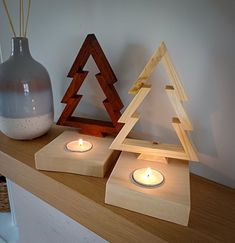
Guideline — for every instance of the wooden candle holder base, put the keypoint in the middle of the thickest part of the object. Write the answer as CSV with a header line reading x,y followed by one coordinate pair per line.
x,y
169,201
95,162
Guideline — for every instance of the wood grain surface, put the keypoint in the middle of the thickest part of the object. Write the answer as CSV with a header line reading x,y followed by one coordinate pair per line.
x,y
212,217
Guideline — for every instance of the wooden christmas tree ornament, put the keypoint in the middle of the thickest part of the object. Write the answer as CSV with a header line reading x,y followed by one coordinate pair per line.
x,y
106,79
140,184
149,150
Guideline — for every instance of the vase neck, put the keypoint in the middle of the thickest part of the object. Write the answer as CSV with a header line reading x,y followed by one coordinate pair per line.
x,y
20,47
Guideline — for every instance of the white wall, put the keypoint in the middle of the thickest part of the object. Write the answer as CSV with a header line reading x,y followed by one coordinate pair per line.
x,y
200,36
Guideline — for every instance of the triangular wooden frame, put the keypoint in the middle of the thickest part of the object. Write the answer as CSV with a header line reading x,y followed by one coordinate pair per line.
x,y
182,124
106,79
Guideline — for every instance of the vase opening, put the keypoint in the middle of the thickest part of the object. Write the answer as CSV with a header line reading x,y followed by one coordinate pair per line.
x,y
20,47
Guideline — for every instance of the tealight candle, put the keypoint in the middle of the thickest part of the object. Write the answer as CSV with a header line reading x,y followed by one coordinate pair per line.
x,y
147,177
79,146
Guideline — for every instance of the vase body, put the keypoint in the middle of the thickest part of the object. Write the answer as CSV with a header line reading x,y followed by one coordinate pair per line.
x,y
26,101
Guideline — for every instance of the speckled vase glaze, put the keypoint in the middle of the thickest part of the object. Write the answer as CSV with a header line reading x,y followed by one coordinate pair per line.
x,y
26,102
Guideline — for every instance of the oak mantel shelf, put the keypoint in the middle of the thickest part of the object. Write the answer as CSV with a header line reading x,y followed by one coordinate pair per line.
x,y
212,217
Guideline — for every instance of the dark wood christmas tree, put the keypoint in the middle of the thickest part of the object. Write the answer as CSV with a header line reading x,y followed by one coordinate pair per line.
x,y
106,79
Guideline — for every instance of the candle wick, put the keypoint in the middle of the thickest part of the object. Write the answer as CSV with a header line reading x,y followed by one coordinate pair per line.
x,y
80,142
148,172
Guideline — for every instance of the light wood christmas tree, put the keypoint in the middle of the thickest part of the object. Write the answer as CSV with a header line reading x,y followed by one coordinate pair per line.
x,y
149,150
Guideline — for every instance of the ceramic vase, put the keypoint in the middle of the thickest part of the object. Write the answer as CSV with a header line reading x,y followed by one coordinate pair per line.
x,y
26,101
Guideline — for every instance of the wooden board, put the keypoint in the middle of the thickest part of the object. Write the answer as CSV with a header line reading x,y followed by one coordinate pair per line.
x,y
95,162
148,147
148,69
160,54
174,77
169,201
82,198
153,157
178,107
185,139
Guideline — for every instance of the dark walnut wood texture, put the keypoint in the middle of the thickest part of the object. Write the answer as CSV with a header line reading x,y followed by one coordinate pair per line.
x,y
106,79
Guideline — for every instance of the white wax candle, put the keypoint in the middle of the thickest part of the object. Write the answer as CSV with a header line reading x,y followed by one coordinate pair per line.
x,y
147,177
79,146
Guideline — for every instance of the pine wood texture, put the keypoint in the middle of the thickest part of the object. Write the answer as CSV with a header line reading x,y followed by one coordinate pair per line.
x,y
185,140
169,201
149,150
153,157
149,147
212,216
178,107
106,79
148,69
95,162
174,77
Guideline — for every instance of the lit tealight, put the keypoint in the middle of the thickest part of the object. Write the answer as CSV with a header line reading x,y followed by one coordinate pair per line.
x,y
79,145
147,177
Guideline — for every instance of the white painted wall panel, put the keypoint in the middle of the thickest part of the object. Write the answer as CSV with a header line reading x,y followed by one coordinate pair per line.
x,y
38,222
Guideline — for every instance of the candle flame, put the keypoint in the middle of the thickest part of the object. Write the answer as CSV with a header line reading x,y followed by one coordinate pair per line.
x,y
80,142
148,172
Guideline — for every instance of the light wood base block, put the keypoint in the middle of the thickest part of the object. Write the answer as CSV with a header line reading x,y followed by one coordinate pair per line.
x,y
95,162
169,201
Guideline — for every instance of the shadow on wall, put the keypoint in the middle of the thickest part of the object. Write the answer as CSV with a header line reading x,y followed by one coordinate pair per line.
x,y
213,134
133,55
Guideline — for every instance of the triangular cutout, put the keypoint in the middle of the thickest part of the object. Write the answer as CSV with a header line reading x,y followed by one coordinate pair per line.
x,y
182,124
106,79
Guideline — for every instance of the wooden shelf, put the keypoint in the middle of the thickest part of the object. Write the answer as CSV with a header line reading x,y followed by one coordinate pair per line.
x,y
212,217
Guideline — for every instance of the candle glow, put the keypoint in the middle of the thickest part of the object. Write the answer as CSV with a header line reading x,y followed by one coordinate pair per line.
x,y
79,145
147,177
